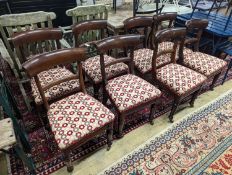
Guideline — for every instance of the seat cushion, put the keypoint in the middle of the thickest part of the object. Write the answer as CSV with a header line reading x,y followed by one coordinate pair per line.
x,y
75,117
179,79
143,57
204,63
93,69
56,91
143,60
129,91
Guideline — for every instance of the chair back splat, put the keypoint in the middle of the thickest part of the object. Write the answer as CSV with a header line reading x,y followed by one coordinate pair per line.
x,y
34,42
177,35
161,21
117,42
140,25
46,61
89,31
195,29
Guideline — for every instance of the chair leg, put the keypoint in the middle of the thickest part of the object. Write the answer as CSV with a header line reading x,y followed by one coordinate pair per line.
x,y
109,136
227,71
105,97
174,107
26,100
194,97
152,110
96,88
121,121
68,161
215,78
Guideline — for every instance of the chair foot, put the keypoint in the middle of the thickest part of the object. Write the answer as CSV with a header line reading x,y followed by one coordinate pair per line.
x,y
174,107
194,97
152,110
119,135
68,162
214,81
171,119
109,136
121,121
70,168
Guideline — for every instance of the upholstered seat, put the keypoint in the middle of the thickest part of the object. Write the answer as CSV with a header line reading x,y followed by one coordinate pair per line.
x,y
93,69
129,91
75,117
179,79
203,63
143,57
56,91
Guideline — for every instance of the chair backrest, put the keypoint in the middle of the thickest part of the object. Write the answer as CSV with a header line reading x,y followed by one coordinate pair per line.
x,y
89,31
83,13
127,42
48,60
161,21
140,25
165,18
195,29
13,23
35,42
177,35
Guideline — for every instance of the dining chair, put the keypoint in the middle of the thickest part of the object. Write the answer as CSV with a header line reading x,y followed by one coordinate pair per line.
x,y
128,93
83,13
180,81
75,119
208,65
14,23
150,25
29,44
90,32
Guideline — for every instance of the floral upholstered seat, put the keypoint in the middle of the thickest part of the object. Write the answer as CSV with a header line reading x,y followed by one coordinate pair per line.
x,y
203,63
143,57
129,91
179,79
75,117
56,91
93,69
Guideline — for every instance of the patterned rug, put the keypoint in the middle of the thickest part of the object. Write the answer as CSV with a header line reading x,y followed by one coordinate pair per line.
x,y
200,144
44,149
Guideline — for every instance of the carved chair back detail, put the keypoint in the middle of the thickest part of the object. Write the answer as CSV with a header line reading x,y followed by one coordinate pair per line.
x,y
140,25
49,60
14,23
127,42
177,35
89,31
35,42
195,29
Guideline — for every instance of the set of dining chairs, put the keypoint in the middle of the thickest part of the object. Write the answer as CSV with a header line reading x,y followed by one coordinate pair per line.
x,y
152,56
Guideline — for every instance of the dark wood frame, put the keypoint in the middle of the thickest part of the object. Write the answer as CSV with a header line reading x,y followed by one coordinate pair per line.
x,y
177,35
88,26
64,56
23,40
146,22
195,28
126,42
47,39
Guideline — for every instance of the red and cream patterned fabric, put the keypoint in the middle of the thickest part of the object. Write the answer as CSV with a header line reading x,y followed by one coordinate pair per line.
x,y
179,79
92,68
56,91
204,63
129,91
75,117
143,60
143,57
